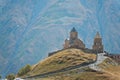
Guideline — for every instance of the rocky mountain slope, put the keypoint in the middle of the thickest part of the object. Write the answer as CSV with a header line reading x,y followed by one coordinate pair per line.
x,y
29,29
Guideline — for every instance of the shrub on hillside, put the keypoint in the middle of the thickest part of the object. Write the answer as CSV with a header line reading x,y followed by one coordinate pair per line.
x,y
10,77
24,70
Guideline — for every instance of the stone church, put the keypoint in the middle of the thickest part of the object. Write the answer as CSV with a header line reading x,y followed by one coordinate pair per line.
x,y
74,41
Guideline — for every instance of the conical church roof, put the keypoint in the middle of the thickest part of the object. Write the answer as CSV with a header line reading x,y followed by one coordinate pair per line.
x,y
97,35
73,30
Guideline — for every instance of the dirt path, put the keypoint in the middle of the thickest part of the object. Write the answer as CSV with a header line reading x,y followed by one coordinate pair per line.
x,y
100,59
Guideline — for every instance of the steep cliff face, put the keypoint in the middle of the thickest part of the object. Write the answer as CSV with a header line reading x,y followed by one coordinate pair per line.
x,y
29,29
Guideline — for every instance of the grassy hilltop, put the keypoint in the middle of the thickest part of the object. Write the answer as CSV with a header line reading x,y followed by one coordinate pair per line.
x,y
72,57
63,59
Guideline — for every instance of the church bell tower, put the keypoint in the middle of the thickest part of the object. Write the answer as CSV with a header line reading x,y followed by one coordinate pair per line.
x,y
98,46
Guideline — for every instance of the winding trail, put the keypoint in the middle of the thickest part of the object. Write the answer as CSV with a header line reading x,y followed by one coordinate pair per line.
x,y
100,59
